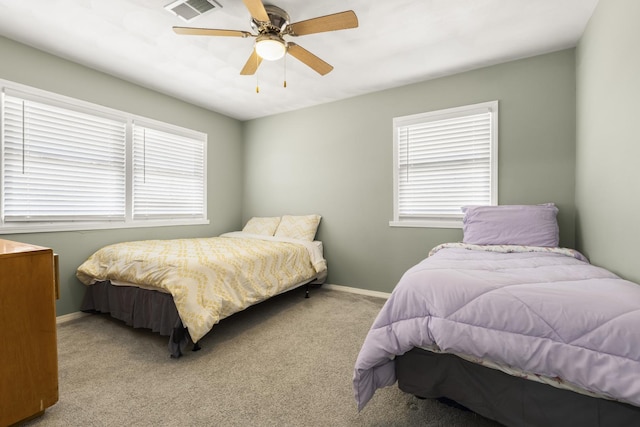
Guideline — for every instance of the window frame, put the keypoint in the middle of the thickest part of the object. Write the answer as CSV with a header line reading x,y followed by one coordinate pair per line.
x,y
89,108
443,221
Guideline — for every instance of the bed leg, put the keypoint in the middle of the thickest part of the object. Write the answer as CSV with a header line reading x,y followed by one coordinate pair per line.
x,y
306,290
196,346
177,340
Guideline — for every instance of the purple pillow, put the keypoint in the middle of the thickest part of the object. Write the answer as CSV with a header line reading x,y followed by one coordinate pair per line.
x,y
529,225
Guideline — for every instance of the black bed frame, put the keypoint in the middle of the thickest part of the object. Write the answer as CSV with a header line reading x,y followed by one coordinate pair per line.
x,y
510,400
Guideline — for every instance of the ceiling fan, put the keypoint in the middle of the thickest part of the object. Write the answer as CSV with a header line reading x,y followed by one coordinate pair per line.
x,y
272,25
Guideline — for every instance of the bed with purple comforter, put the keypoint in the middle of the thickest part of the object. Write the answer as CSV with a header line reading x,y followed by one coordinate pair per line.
x,y
540,313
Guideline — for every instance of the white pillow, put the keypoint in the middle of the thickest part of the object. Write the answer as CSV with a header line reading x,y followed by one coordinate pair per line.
x,y
262,225
301,227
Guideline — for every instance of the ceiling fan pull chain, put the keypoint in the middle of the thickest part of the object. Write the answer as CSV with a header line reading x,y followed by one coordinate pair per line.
x,y
285,70
257,80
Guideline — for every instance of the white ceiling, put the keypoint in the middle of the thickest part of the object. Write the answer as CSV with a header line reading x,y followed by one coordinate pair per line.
x,y
396,43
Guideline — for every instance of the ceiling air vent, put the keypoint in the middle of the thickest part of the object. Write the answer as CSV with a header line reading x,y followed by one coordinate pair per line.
x,y
190,9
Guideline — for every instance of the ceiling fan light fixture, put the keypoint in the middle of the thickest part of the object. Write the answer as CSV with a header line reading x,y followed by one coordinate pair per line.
x,y
270,47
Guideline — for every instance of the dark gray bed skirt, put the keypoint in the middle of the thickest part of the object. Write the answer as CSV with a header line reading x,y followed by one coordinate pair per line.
x,y
140,308
504,398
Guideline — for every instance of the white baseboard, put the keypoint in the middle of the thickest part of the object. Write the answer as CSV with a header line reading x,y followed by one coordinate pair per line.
x,y
69,317
360,291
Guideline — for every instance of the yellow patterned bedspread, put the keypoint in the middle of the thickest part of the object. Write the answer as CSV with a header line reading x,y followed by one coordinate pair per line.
x,y
209,278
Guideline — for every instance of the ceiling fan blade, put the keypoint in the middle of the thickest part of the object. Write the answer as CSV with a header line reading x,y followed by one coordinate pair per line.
x,y
337,21
256,9
210,32
309,59
252,64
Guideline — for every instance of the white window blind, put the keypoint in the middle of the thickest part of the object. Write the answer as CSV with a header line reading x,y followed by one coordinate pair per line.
x,y
66,164
445,160
168,174
60,163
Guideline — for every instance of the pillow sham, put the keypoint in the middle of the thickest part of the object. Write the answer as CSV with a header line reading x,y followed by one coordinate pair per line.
x,y
301,227
262,225
528,225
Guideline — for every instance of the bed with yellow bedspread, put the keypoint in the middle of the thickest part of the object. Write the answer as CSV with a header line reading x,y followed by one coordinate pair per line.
x,y
208,279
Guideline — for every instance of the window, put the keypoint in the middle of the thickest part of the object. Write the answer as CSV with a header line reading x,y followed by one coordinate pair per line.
x,y
168,174
70,165
444,160
58,163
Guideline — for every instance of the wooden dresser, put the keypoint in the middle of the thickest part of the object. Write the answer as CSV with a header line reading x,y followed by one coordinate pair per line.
x,y
28,345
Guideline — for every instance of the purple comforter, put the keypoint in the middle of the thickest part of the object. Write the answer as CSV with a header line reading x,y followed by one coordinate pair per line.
x,y
542,310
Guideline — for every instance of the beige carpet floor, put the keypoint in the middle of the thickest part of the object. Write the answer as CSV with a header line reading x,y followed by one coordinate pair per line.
x,y
285,362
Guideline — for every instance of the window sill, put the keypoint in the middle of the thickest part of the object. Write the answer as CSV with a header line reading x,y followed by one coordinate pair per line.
x,y
431,223
51,227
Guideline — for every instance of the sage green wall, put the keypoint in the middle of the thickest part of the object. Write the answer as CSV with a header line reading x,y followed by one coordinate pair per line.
x,y
608,139
336,160
35,68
